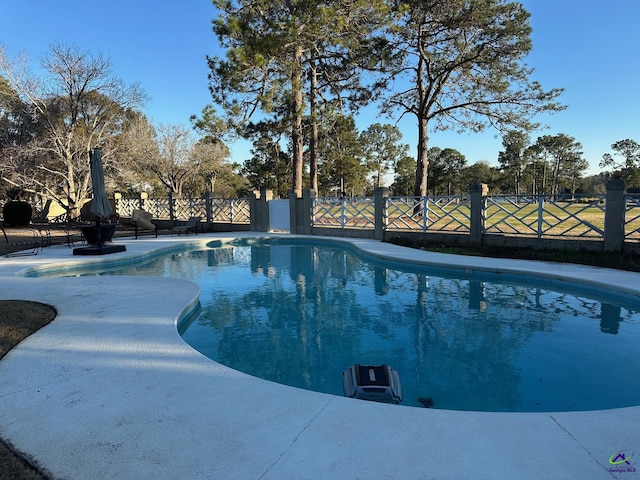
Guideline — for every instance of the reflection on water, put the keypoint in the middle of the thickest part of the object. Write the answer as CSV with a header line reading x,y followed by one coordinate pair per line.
x,y
300,314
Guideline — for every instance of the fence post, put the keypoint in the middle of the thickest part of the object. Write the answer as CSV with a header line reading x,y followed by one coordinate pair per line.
x,y
117,199
293,213
424,202
380,195
478,192
308,196
264,221
259,210
254,215
207,209
540,215
614,215
172,215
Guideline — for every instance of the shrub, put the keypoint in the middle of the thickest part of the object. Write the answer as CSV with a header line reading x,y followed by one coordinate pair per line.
x,y
17,212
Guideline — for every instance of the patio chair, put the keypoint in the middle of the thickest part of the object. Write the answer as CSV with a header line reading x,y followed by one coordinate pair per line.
x,y
30,246
190,225
73,235
142,223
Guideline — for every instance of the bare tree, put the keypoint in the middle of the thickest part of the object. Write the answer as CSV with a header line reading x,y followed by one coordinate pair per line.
x,y
211,157
134,149
79,104
172,163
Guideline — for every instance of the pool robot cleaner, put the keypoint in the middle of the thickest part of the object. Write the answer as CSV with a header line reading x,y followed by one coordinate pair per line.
x,y
378,383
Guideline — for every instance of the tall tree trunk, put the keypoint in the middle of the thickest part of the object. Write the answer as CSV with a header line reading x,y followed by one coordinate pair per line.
x,y
73,208
313,141
296,136
555,187
422,165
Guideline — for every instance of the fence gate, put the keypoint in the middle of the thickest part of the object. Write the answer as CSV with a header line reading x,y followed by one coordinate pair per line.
x,y
279,217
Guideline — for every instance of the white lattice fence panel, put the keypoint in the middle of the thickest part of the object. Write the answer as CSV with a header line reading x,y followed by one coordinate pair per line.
x,y
231,210
348,212
326,212
550,216
632,217
511,215
158,207
577,216
405,213
126,206
185,208
451,213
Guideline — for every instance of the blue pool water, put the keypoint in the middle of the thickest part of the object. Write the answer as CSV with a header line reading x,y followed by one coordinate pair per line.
x,y
300,314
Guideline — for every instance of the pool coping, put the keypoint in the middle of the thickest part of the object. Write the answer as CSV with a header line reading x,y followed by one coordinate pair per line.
x,y
110,390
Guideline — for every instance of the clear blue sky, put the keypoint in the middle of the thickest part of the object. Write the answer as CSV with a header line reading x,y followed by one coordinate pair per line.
x,y
589,48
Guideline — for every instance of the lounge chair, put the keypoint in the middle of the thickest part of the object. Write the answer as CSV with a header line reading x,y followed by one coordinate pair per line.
x,y
190,225
142,223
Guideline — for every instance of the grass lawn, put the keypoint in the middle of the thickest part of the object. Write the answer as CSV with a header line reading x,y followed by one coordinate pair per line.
x,y
18,320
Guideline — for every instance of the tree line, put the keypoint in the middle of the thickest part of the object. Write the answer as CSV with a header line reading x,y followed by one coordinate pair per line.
x,y
358,162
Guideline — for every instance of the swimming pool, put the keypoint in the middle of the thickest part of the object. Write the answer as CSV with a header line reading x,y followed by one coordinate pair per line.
x,y
299,313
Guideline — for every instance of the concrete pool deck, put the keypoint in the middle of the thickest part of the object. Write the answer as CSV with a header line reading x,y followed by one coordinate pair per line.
x,y
110,390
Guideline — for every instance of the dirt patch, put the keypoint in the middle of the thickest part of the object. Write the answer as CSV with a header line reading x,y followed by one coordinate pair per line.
x,y
18,320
